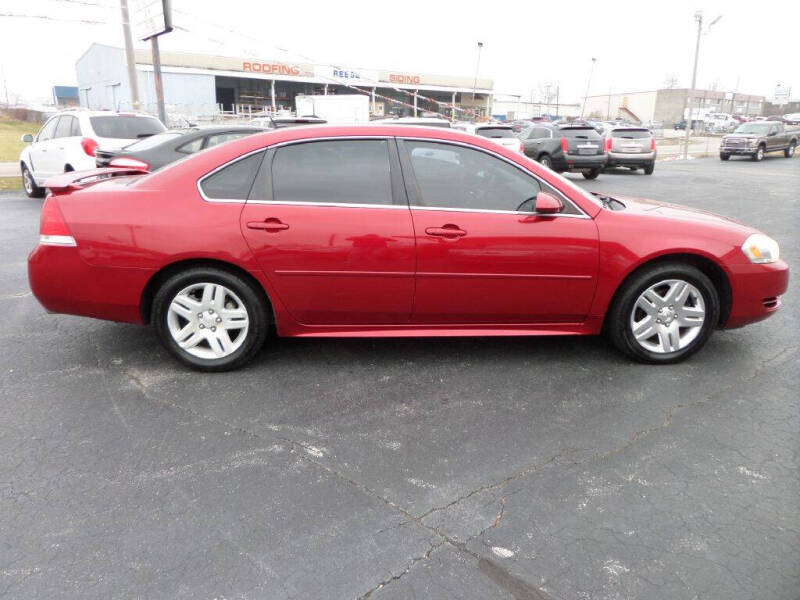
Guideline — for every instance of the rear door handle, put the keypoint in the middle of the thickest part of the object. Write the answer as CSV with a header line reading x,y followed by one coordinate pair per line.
x,y
447,231
271,225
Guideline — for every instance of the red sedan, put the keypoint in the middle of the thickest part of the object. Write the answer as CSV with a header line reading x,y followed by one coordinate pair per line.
x,y
389,231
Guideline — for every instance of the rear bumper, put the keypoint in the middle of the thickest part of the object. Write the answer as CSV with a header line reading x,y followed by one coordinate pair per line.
x,y
580,162
756,292
63,282
640,159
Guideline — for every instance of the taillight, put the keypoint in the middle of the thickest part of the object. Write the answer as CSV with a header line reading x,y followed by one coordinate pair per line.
x,y
89,146
131,163
564,145
652,143
607,145
522,148
53,230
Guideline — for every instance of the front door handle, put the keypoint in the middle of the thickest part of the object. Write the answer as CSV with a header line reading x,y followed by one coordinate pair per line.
x,y
271,225
447,231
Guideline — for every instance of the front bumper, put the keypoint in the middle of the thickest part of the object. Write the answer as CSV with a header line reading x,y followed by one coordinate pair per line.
x,y
756,291
63,282
738,150
639,159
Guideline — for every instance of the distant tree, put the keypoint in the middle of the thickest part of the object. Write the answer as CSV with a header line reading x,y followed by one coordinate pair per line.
x,y
670,81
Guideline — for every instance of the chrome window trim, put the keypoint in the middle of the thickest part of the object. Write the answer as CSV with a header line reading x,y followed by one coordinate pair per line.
x,y
219,168
331,204
582,214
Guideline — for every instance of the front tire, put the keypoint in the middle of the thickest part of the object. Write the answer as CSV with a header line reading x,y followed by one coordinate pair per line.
x,y
664,314
789,152
29,184
724,156
759,155
592,173
210,319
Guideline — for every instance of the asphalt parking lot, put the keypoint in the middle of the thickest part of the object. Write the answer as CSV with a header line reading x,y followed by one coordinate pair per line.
x,y
548,468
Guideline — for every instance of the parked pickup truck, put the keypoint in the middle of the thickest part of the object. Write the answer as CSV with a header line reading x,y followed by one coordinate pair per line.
x,y
756,138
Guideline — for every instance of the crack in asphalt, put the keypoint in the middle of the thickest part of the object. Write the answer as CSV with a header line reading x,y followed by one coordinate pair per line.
x,y
517,587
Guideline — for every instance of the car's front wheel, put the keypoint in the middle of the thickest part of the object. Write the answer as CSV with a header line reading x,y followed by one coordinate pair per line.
x,y
29,184
210,319
724,156
789,152
664,314
759,155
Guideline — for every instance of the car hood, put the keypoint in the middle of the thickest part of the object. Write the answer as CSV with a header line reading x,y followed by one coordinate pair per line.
x,y
714,225
743,135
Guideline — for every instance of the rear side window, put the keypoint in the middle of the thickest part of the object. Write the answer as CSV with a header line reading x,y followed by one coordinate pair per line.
x,y
495,132
631,134
64,128
234,181
115,126
76,128
153,140
342,172
221,138
191,147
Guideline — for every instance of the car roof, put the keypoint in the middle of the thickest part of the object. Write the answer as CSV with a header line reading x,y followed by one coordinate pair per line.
x,y
101,113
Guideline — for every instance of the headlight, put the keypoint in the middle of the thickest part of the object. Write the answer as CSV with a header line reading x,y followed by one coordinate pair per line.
x,y
761,249
751,142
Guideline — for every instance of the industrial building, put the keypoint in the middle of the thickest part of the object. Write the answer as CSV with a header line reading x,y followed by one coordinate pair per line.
x,y
669,105
207,85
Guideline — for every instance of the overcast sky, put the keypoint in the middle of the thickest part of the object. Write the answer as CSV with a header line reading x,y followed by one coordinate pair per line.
x,y
638,45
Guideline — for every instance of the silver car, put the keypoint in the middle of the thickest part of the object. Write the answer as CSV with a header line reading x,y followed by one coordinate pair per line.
x,y
633,147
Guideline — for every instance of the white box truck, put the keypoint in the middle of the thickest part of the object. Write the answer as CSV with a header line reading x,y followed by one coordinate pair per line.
x,y
335,108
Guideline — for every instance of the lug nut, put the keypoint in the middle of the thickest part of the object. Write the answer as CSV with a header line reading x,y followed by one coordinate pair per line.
x,y
202,326
199,315
219,319
211,311
213,328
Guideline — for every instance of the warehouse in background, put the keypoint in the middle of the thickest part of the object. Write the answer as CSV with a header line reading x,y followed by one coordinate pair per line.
x,y
669,105
206,85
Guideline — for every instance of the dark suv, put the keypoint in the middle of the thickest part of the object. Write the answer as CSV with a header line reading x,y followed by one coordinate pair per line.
x,y
565,147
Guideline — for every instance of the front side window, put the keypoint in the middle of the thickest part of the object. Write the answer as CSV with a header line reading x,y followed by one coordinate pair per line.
x,y
341,172
451,176
233,182
47,132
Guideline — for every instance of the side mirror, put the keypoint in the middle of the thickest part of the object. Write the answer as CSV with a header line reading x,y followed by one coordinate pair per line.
x,y
547,204
27,138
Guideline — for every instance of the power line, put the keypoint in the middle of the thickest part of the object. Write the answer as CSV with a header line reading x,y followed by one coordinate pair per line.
x,y
58,19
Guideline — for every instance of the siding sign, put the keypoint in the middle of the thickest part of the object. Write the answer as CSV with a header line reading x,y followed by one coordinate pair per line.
x,y
151,18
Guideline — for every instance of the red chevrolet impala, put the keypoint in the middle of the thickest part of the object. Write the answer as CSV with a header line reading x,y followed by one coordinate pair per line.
x,y
389,231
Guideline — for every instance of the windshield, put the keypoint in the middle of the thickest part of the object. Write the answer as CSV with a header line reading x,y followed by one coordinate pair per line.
x,y
495,132
753,128
153,140
123,127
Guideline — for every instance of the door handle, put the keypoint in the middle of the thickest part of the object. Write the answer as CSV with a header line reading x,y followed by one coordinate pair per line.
x,y
271,225
447,231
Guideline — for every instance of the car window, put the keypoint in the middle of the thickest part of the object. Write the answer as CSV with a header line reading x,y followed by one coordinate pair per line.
x,y
125,127
346,172
233,182
153,141
495,132
451,176
540,132
191,147
46,133
64,127
76,127
221,138
631,134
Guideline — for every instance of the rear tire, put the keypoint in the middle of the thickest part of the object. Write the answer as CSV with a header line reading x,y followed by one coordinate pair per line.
x,y
592,173
208,309
669,314
789,152
546,161
648,169
759,155
29,184
724,156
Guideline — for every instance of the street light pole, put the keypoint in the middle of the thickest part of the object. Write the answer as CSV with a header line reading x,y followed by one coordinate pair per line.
x,y
129,56
588,85
698,16
475,81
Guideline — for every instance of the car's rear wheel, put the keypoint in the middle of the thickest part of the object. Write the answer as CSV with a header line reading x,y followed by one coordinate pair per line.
x,y
724,156
664,313
210,319
789,152
591,173
546,161
29,184
759,155
648,169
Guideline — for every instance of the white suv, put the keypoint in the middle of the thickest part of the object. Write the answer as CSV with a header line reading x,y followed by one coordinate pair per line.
x,y
68,140
500,133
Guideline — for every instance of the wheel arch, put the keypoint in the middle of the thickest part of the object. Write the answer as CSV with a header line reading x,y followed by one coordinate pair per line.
x,y
704,264
160,276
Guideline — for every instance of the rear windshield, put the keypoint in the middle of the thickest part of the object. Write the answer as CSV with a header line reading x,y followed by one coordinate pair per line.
x,y
126,127
154,140
580,133
631,134
495,132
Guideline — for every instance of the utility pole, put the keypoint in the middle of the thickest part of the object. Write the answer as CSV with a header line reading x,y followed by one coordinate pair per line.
x,y
698,16
126,30
477,66
162,111
588,84
608,111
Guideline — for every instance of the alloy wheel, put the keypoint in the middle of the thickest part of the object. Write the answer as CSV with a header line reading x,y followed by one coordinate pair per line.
x,y
27,181
668,316
208,320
